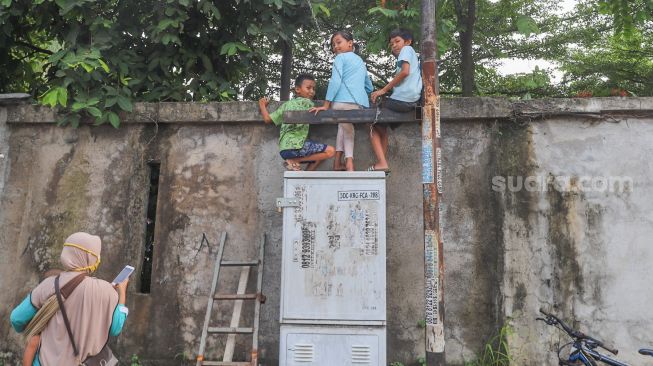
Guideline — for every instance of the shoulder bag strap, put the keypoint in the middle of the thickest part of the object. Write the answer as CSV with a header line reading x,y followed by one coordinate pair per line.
x,y
65,317
70,286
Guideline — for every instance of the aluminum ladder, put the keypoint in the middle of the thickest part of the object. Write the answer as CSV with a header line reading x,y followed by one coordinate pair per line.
x,y
238,299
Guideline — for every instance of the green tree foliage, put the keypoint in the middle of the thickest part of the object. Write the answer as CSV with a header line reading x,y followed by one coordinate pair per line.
x,y
508,29
602,57
511,30
93,59
501,29
601,47
628,15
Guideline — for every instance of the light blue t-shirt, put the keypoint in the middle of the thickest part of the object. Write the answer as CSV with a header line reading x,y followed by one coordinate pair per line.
x,y
410,89
349,82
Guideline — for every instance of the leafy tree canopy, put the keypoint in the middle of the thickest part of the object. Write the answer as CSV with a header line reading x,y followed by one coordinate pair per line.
x,y
605,51
93,59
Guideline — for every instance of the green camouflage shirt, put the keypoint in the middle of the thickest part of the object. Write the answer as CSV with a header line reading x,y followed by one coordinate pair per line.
x,y
291,136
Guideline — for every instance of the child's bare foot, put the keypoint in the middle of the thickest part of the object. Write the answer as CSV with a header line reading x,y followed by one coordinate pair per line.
x,y
292,165
337,162
337,165
349,164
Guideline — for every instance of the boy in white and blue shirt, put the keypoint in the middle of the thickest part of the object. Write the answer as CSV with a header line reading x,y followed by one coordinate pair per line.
x,y
406,89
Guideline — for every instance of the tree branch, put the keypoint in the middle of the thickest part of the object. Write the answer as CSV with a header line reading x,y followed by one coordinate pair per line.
x,y
32,47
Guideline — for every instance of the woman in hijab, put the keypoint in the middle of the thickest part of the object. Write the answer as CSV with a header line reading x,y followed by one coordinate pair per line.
x,y
95,309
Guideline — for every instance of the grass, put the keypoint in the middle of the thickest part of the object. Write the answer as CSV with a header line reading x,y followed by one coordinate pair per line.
x,y
496,351
135,361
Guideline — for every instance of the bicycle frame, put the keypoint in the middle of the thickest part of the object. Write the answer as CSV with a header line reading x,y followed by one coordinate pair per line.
x,y
588,356
583,346
605,359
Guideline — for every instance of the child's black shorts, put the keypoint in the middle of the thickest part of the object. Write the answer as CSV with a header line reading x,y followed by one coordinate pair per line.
x,y
397,106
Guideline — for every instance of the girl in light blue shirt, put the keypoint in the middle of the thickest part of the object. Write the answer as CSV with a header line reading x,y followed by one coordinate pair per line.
x,y
348,89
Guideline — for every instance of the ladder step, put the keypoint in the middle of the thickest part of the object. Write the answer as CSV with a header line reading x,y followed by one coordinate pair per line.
x,y
235,297
231,330
240,295
238,263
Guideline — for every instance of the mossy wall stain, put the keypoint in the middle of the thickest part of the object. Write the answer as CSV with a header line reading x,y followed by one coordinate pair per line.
x,y
59,169
520,297
515,157
474,208
125,182
66,212
594,239
513,209
563,232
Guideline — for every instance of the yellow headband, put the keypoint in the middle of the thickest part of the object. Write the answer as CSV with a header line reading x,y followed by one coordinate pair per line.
x,y
90,268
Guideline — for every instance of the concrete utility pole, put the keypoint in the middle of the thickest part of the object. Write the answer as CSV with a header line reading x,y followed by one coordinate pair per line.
x,y
432,185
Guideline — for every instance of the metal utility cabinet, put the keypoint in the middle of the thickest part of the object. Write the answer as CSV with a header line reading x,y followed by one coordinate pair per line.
x,y
333,282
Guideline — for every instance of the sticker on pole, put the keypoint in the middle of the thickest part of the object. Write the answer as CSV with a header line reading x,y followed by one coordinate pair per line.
x,y
427,161
431,280
438,167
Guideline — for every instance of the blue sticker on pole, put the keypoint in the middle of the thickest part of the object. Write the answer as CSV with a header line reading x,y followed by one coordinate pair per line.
x,y
427,161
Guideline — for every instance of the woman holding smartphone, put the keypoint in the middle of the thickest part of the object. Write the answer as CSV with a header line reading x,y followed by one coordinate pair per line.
x,y
94,309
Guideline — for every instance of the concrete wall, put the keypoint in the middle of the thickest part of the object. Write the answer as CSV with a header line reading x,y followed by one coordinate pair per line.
x,y
585,251
4,148
580,252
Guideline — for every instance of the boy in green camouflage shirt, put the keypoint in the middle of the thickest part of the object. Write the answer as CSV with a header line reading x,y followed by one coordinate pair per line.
x,y
294,146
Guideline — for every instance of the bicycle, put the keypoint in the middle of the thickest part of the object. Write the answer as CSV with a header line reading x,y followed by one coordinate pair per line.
x,y
583,347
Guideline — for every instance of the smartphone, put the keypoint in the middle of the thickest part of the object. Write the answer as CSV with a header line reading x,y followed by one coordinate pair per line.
x,y
123,275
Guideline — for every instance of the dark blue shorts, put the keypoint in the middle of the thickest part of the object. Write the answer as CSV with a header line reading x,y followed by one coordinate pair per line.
x,y
397,106
309,148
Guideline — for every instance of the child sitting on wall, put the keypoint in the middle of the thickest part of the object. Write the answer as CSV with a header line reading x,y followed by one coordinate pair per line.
x,y
348,89
406,89
294,146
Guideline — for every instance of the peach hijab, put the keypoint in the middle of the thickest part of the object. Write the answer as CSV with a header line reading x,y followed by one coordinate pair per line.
x,y
89,308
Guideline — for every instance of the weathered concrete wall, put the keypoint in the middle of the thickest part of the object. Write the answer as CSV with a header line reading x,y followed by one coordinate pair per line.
x,y
585,251
583,254
4,148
